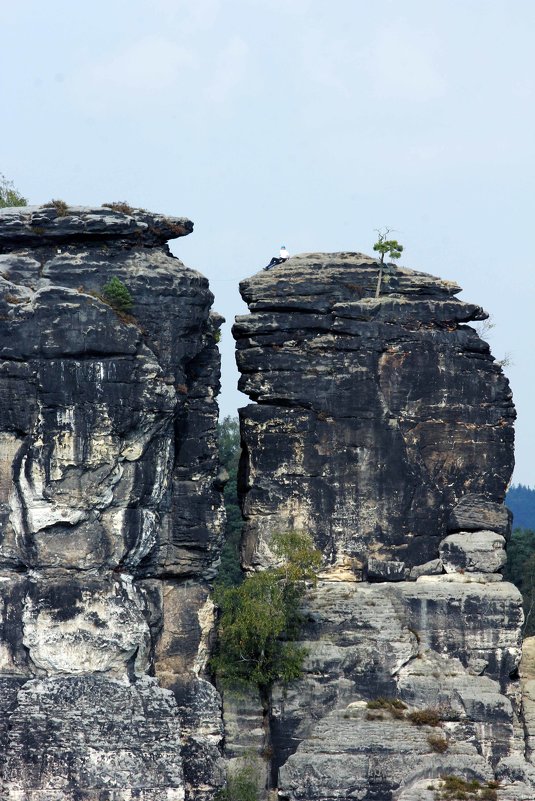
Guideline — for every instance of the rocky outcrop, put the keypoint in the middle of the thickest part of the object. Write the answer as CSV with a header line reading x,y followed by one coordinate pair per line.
x,y
393,411
384,427
110,510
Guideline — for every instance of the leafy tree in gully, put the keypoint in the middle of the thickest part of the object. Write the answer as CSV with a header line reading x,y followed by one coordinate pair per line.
x,y
386,247
260,619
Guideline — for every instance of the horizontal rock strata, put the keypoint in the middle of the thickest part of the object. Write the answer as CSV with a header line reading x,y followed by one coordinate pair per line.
x,y
110,509
393,410
384,427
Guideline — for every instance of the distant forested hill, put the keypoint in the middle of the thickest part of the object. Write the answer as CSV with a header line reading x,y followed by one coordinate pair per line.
x,y
520,567
521,501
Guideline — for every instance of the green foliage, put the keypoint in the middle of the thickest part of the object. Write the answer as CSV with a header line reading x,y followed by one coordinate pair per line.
x,y
117,295
9,195
242,785
454,788
386,247
260,619
230,572
520,570
395,706
390,247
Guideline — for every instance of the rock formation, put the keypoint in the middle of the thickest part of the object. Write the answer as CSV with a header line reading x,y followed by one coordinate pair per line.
x,y
384,428
110,510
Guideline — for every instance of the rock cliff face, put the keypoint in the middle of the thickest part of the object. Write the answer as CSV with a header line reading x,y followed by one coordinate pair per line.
x,y
110,510
384,428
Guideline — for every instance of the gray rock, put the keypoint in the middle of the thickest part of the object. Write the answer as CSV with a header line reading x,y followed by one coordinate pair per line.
x,y
381,758
475,551
475,512
386,570
37,225
111,512
420,642
91,735
432,568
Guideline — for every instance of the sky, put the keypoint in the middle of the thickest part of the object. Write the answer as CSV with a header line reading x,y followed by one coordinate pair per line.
x,y
295,122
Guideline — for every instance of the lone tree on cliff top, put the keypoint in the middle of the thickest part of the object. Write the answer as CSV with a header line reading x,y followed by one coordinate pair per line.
x,y
384,246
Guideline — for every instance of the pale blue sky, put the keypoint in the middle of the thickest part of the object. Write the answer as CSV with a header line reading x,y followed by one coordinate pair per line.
x,y
298,122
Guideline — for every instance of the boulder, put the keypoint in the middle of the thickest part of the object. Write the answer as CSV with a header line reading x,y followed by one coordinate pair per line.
x,y
473,551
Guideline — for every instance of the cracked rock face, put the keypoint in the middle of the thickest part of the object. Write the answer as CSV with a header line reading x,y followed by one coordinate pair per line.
x,y
109,506
384,428
393,410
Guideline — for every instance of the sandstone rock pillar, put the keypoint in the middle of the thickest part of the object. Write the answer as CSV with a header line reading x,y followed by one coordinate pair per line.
x,y
384,427
110,510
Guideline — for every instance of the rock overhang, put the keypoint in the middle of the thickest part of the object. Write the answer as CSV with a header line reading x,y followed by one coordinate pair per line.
x,y
51,224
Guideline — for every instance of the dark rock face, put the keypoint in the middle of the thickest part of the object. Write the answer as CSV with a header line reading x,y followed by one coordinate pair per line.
x,y
110,510
392,409
385,429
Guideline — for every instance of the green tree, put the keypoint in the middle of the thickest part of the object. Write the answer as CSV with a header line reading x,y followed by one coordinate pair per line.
x,y
386,247
230,572
9,196
117,295
260,619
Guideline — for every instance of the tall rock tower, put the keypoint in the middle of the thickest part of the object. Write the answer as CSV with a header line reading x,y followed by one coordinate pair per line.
x,y
110,510
384,428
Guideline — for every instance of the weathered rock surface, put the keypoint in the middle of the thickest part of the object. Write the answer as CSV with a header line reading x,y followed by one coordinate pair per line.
x,y
110,510
384,428
475,551
392,410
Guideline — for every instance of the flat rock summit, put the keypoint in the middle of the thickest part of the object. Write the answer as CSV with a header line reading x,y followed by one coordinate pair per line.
x,y
382,426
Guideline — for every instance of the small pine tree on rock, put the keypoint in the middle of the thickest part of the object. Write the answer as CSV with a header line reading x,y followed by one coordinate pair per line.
x,y
118,295
384,246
